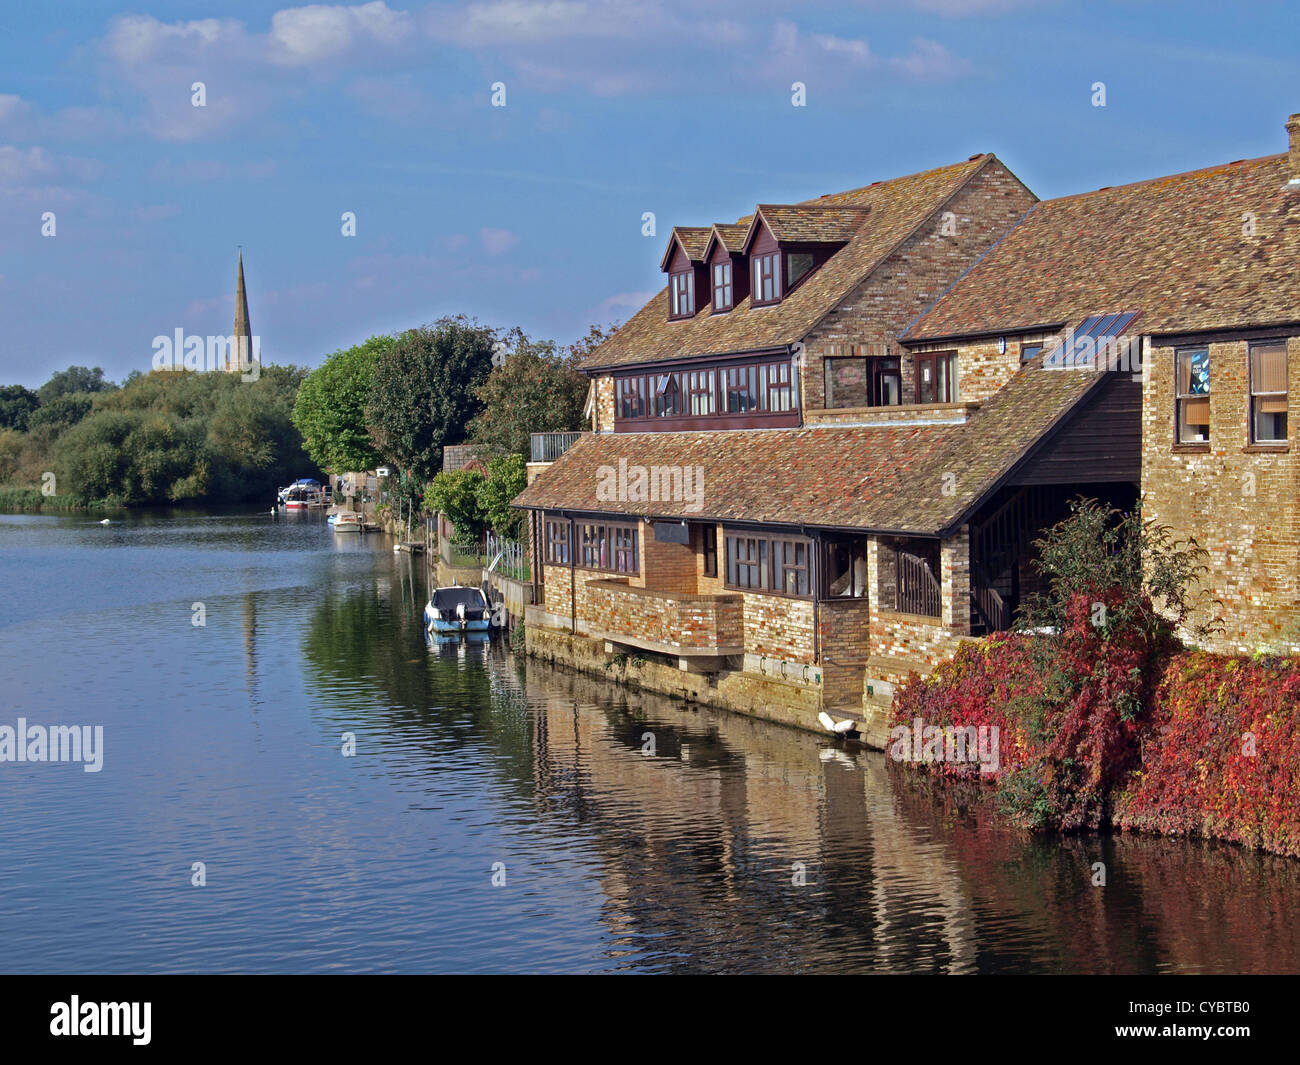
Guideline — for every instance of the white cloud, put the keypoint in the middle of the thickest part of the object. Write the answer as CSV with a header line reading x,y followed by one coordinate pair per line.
x,y
190,170
497,241
20,166
304,35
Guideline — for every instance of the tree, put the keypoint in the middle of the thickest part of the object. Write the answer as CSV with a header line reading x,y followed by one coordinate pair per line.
x,y
62,411
455,495
423,392
330,411
74,379
537,389
507,476
16,406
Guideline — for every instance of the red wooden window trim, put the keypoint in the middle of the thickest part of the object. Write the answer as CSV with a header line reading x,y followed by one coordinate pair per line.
x,y
723,289
767,279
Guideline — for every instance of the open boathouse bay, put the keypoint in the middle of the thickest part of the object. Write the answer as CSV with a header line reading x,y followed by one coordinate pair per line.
x,y
736,846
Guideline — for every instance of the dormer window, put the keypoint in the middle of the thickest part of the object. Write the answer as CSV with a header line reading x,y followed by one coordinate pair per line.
x,y
797,264
682,288
767,278
722,289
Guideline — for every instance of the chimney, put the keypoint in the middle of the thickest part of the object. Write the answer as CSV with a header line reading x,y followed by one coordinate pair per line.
x,y
1293,153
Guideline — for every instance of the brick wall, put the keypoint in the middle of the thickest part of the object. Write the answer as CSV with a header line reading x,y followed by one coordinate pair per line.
x,y
915,275
779,627
604,404
668,621
1242,506
844,628
666,566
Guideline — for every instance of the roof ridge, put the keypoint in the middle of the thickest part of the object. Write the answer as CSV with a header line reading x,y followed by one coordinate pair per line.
x,y
979,158
1165,177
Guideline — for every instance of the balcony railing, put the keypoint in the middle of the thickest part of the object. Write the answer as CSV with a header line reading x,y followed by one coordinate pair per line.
x,y
547,447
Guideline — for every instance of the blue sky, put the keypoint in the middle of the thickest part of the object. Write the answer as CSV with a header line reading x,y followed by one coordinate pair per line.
x,y
530,214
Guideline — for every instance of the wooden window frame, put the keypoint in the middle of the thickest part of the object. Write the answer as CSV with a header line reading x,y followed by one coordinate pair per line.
x,y
558,545
1181,397
766,553
1255,395
664,383
876,373
632,387
787,267
767,268
940,360
726,287
1037,345
701,383
681,291
589,537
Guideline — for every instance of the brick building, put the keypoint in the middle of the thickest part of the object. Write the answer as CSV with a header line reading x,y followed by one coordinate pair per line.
x,y
821,454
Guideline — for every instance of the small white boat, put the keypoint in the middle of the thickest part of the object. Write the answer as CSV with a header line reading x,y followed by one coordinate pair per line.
x,y
346,521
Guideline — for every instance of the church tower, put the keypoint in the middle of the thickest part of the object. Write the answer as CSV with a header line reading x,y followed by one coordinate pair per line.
x,y
241,342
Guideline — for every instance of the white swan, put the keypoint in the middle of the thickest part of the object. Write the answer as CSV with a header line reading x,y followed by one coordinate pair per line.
x,y
831,725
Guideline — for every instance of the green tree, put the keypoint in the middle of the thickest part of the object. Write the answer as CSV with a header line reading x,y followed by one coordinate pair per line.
x,y
74,379
423,392
16,406
455,494
537,389
330,411
507,476
62,411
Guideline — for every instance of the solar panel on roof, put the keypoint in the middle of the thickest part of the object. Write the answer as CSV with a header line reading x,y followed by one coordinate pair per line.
x,y
1099,342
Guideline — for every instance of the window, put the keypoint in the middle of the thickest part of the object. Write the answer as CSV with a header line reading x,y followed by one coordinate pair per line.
x,y
907,576
766,278
699,391
1268,388
886,382
790,558
741,388
557,542
1192,395
936,377
796,265
777,387
722,286
709,547
1030,351
746,562
608,547
682,286
779,565
769,387
846,568
668,394
631,397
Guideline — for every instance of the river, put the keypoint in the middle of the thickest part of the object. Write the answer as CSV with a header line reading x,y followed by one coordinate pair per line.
x,y
497,815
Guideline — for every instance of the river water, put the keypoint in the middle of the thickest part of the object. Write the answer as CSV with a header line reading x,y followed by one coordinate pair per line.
x,y
497,814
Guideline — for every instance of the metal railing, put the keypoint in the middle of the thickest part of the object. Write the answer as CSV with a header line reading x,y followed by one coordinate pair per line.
x,y
547,447
508,558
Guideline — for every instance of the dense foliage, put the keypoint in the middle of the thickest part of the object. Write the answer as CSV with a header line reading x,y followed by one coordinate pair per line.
x,y
330,411
455,495
422,395
536,389
1071,691
1220,753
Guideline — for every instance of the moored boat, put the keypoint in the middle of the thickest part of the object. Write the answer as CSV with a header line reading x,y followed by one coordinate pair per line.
x,y
302,494
457,609
346,521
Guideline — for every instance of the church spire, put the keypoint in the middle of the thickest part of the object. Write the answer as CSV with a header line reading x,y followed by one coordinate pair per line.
x,y
241,345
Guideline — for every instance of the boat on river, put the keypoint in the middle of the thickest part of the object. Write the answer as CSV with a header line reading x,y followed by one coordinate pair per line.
x,y
302,495
346,521
457,609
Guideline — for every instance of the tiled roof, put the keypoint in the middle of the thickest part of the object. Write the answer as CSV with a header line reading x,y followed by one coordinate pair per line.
x,y
1173,247
693,240
731,236
897,208
813,224
886,479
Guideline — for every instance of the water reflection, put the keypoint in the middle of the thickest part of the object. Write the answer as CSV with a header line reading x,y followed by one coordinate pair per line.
x,y
735,846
